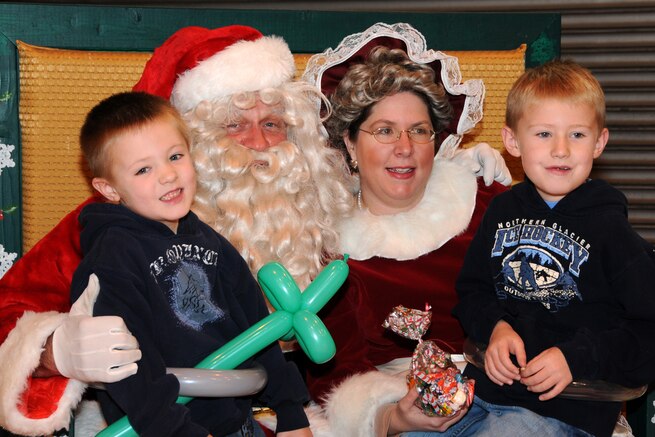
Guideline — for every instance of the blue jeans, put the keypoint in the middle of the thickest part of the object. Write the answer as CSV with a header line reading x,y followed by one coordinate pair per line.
x,y
250,428
488,420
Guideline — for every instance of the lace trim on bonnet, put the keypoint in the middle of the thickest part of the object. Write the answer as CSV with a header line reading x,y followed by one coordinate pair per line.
x,y
451,77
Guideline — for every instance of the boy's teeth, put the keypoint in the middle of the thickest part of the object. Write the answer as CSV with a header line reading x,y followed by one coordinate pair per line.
x,y
171,195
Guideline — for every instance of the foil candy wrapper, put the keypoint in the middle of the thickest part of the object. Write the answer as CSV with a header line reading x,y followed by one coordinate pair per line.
x,y
443,391
409,323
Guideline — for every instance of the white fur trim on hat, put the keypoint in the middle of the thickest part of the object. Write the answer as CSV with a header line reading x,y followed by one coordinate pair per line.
x,y
451,76
244,66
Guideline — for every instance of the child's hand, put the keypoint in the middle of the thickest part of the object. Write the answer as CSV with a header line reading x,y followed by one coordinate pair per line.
x,y
498,365
302,432
547,373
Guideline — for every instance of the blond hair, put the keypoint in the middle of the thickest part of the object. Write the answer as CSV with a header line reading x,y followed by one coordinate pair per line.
x,y
562,80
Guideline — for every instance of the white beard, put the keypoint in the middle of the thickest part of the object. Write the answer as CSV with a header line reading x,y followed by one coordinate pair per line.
x,y
265,203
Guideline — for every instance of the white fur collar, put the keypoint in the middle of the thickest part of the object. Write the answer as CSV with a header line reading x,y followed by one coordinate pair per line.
x,y
444,212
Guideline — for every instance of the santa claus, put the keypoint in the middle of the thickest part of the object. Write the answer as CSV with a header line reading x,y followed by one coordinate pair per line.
x,y
267,181
261,159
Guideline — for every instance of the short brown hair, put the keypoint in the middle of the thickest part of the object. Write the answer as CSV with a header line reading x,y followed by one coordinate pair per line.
x,y
117,114
565,80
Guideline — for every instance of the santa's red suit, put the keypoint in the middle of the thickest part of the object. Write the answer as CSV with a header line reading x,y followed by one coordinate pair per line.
x,y
27,319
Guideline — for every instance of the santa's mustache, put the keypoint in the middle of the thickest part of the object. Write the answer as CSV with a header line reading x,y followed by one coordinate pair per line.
x,y
264,165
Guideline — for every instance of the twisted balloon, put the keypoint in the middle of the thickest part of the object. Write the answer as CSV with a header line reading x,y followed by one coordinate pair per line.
x,y
295,316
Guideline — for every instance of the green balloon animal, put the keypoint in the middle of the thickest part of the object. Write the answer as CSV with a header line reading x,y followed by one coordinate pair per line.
x,y
295,316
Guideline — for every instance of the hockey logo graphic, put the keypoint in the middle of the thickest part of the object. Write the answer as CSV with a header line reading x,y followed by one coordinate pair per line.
x,y
539,263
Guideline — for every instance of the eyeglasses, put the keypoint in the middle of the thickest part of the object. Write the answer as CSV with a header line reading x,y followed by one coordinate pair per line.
x,y
388,135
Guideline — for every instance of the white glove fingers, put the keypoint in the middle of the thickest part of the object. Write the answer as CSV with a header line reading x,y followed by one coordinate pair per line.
x,y
503,176
123,341
117,373
108,366
109,340
95,349
488,174
106,342
125,357
102,325
493,165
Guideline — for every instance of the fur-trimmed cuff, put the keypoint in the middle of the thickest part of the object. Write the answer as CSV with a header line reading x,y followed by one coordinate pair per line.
x,y
89,419
351,407
317,421
20,355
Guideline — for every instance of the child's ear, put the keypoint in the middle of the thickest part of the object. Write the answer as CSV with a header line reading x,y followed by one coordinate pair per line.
x,y
105,188
510,141
601,142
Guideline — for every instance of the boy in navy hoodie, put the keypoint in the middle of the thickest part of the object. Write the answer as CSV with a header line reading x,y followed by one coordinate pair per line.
x,y
182,289
556,282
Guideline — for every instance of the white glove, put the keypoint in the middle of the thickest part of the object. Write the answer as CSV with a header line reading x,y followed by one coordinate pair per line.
x,y
94,349
483,160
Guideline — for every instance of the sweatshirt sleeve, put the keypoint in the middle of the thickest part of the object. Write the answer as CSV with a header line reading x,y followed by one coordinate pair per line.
x,y
478,310
147,397
285,392
624,353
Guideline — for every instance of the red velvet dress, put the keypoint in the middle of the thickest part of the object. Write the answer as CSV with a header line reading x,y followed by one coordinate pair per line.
x,y
378,281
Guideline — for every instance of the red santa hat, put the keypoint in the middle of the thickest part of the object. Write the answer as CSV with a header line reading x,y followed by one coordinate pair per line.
x,y
196,64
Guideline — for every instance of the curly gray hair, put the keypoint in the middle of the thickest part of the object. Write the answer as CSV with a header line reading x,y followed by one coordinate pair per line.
x,y
386,72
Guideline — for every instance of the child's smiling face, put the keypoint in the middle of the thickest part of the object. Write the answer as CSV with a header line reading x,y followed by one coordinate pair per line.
x,y
557,142
151,172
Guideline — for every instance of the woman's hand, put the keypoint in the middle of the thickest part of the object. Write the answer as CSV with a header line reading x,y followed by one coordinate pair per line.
x,y
405,416
498,364
302,432
547,373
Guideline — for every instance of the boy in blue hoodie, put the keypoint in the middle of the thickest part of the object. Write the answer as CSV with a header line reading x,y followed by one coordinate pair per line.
x,y
556,281
182,289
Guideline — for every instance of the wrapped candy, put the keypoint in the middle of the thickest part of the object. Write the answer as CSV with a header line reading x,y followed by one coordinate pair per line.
x,y
409,323
442,389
